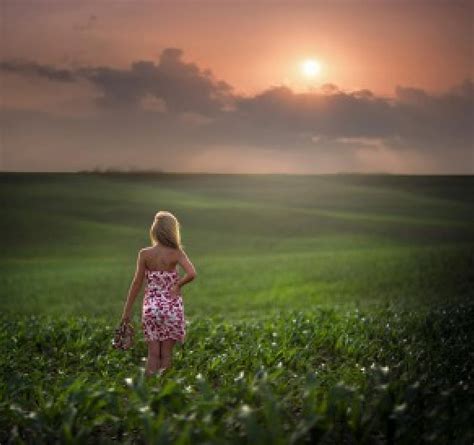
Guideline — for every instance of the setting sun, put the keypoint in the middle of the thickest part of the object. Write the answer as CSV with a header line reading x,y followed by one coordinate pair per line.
x,y
310,67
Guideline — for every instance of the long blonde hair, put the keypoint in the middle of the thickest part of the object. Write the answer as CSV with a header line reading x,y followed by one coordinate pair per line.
x,y
165,230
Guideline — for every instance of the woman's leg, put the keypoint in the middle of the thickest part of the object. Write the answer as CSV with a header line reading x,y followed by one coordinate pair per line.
x,y
166,353
153,362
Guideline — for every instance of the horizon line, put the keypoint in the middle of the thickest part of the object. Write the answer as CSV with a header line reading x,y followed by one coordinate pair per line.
x,y
162,172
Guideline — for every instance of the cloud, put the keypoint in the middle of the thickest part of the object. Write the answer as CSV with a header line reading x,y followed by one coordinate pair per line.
x,y
333,114
182,86
436,121
29,68
183,108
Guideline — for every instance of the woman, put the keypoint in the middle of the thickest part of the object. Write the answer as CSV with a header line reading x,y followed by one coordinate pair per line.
x,y
163,321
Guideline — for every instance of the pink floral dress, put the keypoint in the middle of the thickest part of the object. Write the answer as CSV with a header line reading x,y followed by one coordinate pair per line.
x,y
162,314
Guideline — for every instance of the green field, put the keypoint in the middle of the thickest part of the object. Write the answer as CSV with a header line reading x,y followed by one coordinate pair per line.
x,y
309,288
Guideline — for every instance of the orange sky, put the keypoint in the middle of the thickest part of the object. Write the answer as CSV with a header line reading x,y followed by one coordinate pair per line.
x,y
83,85
253,44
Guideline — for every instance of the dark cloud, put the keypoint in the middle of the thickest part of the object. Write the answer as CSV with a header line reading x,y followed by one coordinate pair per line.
x,y
434,125
182,86
330,114
189,107
29,68
436,121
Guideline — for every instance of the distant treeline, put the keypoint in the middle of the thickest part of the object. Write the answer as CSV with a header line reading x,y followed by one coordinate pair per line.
x,y
114,170
136,170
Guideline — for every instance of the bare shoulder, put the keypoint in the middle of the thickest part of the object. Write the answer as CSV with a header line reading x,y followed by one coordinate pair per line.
x,y
178,253
183,258
181,253
144,252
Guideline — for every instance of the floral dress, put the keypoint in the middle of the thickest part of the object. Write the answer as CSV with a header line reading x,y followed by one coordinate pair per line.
x,y
162,314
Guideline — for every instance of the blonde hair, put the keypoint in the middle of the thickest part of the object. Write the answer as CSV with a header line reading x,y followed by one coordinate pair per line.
x,y
165,230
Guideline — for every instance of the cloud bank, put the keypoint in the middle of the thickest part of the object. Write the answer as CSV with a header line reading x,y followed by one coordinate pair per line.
x,y
172,115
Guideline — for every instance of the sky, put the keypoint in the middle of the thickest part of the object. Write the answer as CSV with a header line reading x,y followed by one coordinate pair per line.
x,y
219,86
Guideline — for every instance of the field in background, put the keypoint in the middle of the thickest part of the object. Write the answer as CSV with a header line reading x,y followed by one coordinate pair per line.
x,y
69,241
327,309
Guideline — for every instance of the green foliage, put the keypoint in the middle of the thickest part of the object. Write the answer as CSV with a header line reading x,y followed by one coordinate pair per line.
x,y
327,309
69,241
384,376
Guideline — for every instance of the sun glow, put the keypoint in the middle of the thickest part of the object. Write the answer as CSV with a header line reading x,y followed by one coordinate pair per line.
x,y
310,67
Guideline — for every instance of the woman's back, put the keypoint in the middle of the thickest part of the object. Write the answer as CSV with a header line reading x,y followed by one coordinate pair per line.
x,y
161,258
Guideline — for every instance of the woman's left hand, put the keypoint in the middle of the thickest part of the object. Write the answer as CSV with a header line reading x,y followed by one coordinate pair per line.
x,y
174,291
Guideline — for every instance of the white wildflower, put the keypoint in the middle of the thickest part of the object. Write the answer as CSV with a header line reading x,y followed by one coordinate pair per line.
x,y
129,381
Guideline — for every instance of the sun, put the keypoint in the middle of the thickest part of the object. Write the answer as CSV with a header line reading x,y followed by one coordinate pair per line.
x,y
310,67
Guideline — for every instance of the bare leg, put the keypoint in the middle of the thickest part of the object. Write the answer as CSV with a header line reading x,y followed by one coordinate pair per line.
x,y
153,362
166,353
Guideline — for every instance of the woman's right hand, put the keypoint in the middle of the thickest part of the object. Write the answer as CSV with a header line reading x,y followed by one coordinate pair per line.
x,y
175,291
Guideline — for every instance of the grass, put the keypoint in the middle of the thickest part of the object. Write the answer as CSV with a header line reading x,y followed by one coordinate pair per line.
x,y
339,304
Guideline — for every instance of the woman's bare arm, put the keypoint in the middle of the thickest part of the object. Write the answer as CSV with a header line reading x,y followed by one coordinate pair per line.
x,y
135,286
188,267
